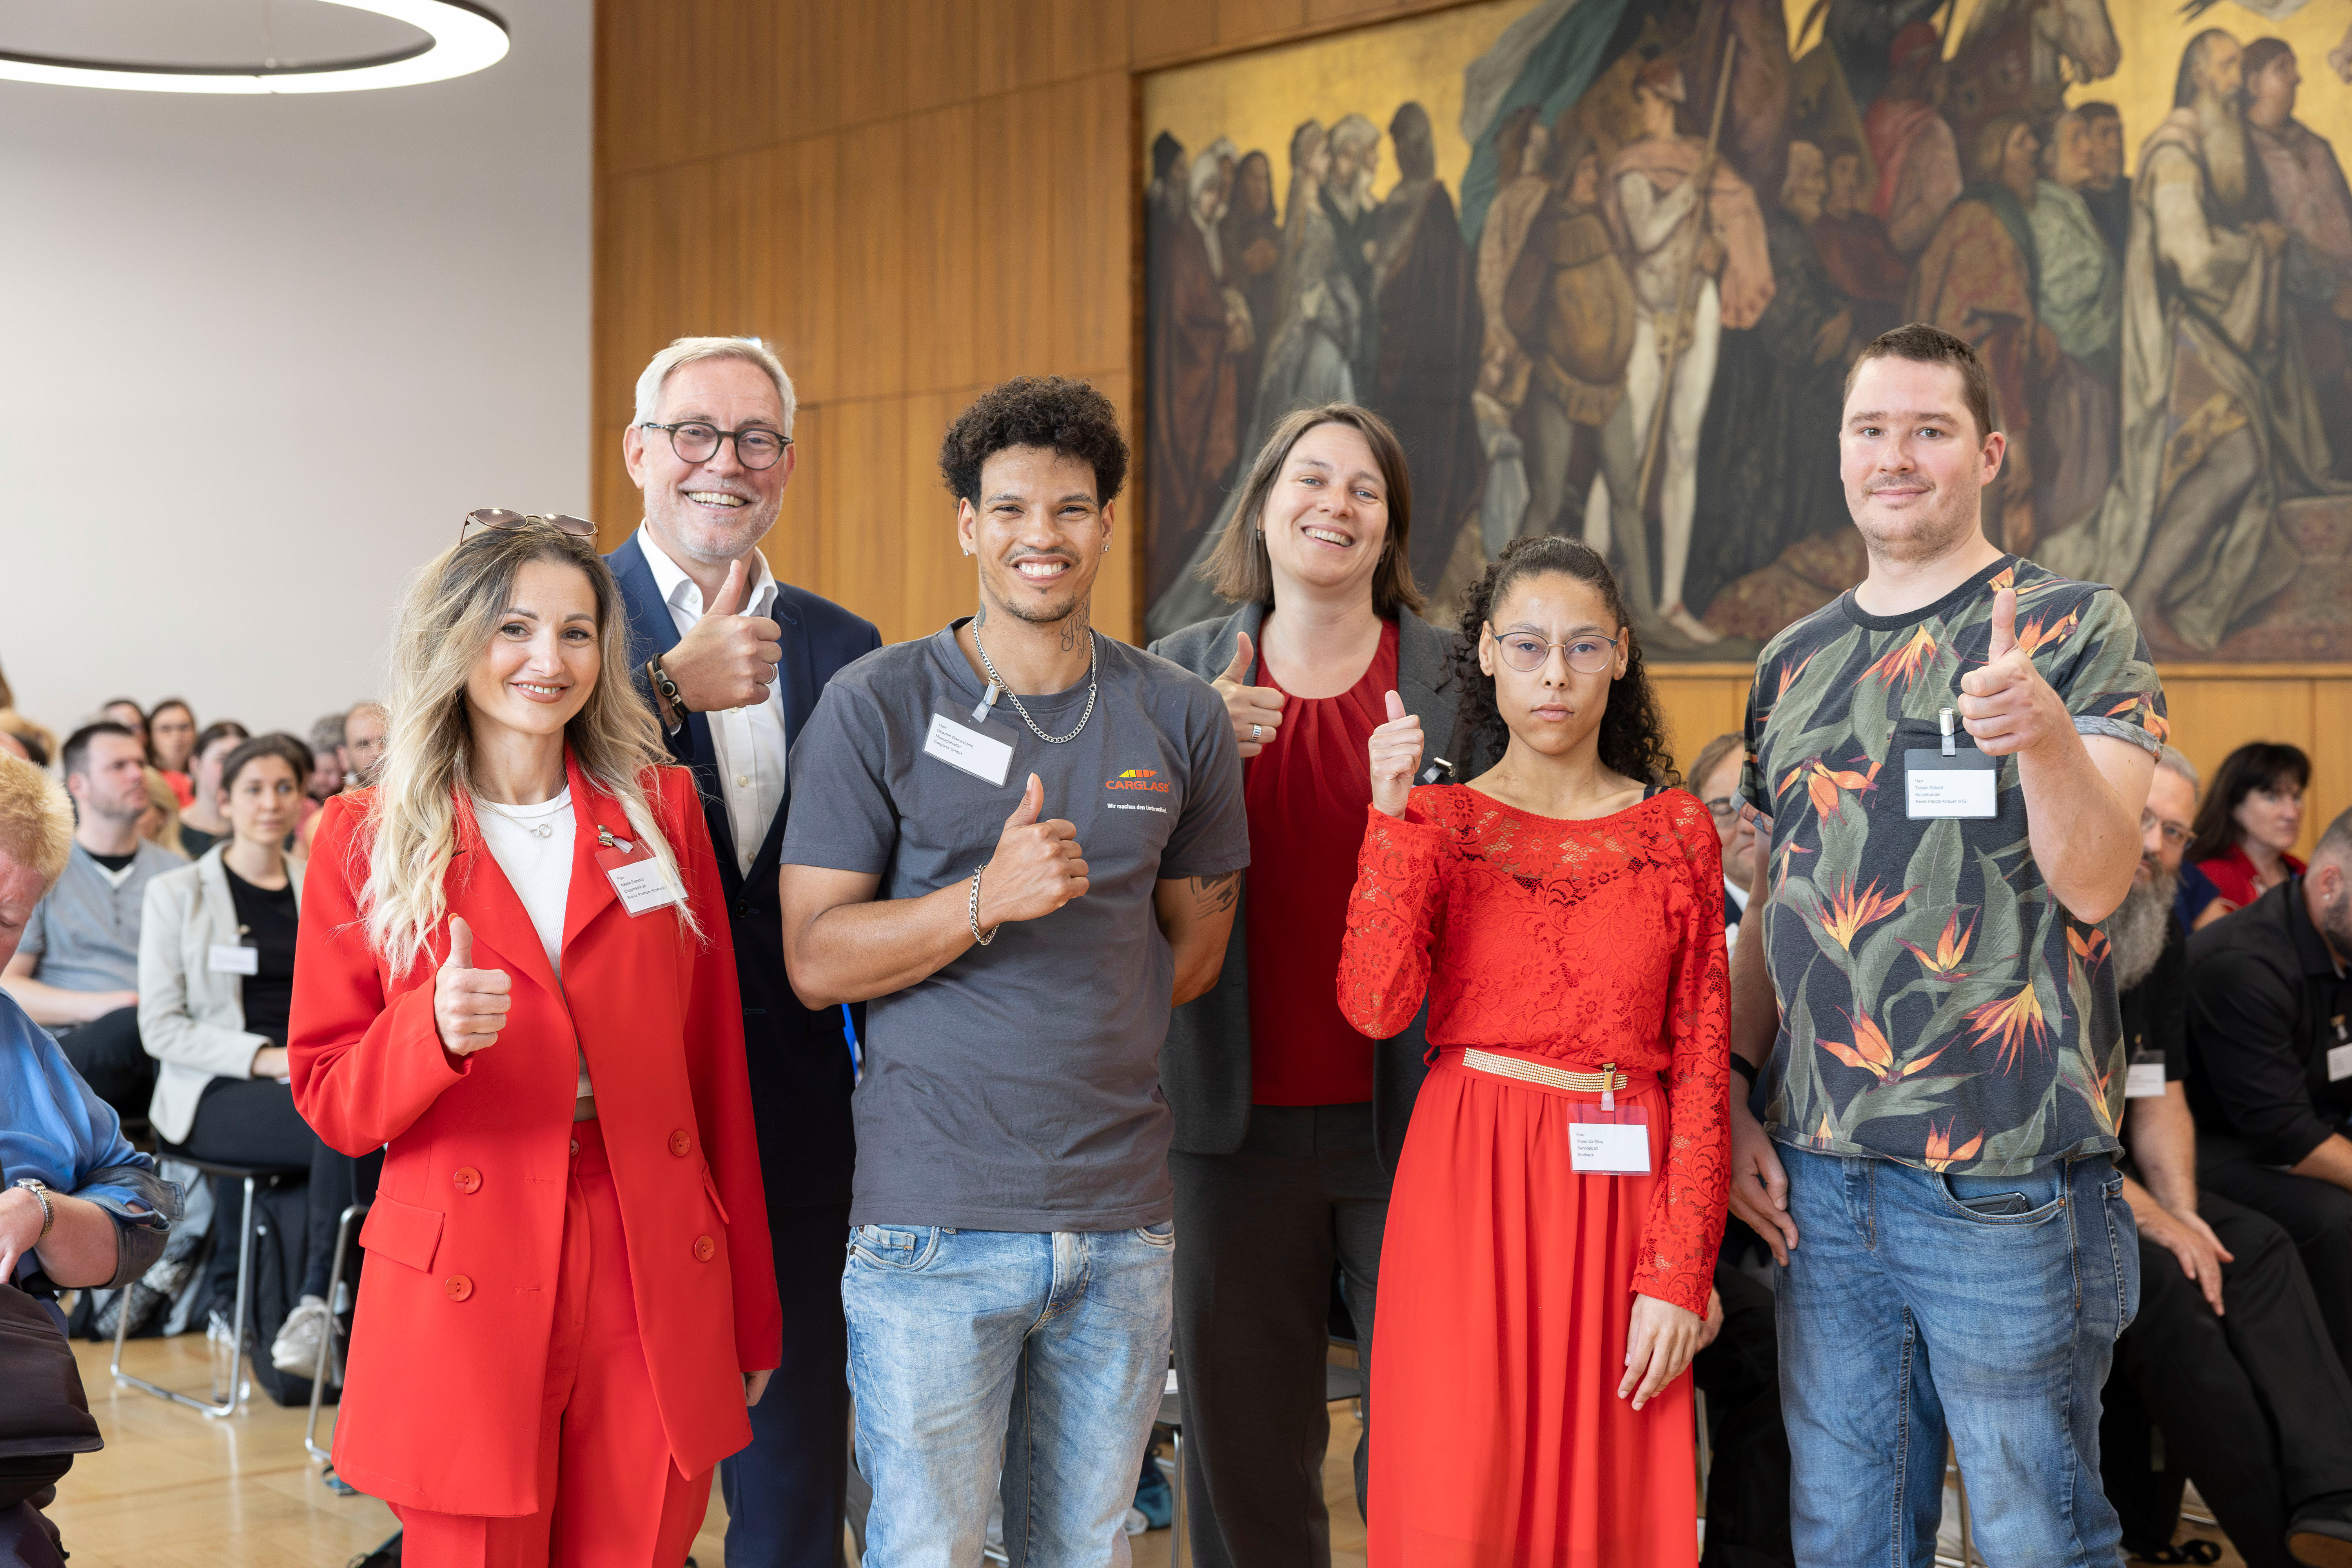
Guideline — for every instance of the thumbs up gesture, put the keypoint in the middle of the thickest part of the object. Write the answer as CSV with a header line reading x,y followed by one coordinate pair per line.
x,y
1396,757
727,660
2006,706
470,1004
1255,711
1037,866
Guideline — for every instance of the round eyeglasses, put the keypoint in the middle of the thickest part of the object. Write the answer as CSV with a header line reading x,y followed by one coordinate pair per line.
x,y
696,442
499,516
1589,653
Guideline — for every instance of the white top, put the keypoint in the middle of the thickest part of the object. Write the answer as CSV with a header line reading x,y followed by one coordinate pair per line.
x,y
1735,909
532,844
751,741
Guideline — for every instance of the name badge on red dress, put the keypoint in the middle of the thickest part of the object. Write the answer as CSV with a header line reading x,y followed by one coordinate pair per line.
x,y
1609,1141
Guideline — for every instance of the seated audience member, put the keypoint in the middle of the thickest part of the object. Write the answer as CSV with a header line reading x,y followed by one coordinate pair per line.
x,y
366,727
76,970
2250,821
160,823
201,824
1714,779
131,716
2266,1000
2229,1359
81,1207
327,758
33,742
170,742
2198,904
215,1019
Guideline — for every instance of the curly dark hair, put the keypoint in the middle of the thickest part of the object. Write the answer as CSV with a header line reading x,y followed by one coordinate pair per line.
x,y
1632,732
1069,416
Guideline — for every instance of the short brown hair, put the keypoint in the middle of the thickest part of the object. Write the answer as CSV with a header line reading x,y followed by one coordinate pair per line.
x,y
1238,568
36,819
1711,755
1923,344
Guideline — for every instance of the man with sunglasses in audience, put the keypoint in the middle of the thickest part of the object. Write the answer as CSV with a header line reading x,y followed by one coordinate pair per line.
x,y
733,661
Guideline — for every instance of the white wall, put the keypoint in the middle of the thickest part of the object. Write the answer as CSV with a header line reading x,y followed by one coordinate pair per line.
x,y
258,357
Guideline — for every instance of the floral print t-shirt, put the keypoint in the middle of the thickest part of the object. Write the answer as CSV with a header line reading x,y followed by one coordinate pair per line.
x,y
1938,1005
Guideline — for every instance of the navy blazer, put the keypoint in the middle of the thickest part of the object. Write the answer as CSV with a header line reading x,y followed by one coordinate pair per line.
x,y
798,1059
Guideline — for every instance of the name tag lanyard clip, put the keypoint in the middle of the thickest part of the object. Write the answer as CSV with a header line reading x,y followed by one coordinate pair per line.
x,y
980,710
1943,722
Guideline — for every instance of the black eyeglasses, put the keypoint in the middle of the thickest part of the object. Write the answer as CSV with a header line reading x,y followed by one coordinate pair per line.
x,y
499,516
1589,654
696,442
1722,807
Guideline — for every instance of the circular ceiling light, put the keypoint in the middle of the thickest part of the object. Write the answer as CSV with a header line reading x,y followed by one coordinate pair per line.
x,y
460,37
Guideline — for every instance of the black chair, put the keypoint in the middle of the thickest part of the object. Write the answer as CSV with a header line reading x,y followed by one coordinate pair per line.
x,y
240,1323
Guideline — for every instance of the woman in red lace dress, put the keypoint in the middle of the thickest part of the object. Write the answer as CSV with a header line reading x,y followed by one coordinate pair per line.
x,y
1562,912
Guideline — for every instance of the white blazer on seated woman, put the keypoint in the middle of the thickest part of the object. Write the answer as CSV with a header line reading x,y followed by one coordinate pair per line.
x,y
191,1015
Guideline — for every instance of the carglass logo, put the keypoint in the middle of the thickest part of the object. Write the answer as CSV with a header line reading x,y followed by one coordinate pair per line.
x,y
1139,778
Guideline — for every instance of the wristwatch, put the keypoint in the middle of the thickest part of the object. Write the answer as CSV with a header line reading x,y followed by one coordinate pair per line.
x,y
40,1190
669,689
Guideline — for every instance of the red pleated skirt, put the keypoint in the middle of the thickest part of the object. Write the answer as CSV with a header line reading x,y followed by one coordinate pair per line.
x,y
1498,1440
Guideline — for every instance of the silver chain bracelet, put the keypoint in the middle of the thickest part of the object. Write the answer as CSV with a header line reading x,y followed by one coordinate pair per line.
x,y
971,913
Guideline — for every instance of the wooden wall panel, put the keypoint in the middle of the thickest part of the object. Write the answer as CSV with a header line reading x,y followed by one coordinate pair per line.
x,y
914,199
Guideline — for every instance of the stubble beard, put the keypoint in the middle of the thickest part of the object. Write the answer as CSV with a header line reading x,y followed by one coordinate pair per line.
x,y
1923,534
710,543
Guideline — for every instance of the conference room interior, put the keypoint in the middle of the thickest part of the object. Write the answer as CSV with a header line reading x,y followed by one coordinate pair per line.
x,y
302,287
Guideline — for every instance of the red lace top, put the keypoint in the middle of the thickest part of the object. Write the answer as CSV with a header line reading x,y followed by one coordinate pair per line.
x,y
1583,943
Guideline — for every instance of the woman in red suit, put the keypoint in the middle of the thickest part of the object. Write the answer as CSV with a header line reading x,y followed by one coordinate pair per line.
x,y
562,1321
1552,1234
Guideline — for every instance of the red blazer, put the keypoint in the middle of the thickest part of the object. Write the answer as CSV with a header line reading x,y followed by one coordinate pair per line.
x,y
2232,871
449,1359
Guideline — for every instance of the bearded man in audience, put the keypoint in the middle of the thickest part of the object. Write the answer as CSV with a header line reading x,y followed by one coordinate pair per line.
x,y
2229,1359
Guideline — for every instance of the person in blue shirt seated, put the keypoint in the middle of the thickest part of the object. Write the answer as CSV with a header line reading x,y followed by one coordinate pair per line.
x,y
78,1205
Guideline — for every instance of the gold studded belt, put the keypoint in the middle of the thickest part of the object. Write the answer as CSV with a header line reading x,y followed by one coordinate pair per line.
x,y
1606,1081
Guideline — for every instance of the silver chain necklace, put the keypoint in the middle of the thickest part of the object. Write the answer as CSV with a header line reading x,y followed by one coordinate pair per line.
x,y
996,680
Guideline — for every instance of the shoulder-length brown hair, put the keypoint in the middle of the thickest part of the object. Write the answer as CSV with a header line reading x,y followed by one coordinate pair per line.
x,y
1238,568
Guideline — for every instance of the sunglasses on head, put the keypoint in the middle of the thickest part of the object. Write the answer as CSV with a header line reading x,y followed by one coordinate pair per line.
x,y
498,517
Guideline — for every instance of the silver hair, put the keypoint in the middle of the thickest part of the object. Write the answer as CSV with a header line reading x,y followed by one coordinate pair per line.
x,y
687,351
1353,134
2170,758
2138,930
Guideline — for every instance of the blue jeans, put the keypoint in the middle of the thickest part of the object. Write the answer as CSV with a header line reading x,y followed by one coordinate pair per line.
x,y
1049,1349
1987,1307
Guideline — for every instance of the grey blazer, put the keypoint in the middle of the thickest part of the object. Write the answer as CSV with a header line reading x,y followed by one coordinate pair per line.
x,y
1205,1067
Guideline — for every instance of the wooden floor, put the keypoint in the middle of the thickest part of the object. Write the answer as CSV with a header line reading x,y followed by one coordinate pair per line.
x,y
175,1490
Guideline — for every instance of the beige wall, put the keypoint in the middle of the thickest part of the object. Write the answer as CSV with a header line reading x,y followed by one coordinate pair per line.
x,y
914,199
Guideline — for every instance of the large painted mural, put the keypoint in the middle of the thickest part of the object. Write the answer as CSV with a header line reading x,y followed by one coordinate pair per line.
x,y
1604,265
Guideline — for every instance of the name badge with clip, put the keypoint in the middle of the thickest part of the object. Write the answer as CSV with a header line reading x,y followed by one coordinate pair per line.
x,y
1948,782
1607,1139
638,878
984,757
2143,1079
233,958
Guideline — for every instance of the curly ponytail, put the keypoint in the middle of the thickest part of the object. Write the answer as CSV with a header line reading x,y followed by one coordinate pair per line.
x,y
1632,739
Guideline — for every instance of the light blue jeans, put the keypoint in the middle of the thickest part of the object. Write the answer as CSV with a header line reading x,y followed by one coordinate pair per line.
x,y
1987,1307
1047,1348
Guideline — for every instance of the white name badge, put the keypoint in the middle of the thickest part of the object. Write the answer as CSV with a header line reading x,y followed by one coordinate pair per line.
x,y
983,756
2144,1080
643,885
1937,785
2339,1062
233,958
1609,1147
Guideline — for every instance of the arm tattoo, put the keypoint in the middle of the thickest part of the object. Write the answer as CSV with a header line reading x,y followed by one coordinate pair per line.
x,y
1215,895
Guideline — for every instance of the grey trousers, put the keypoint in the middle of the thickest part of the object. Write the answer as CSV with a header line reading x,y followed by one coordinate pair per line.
x,y
1258,1233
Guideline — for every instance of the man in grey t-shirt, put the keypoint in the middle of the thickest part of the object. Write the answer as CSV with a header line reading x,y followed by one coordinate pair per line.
x,y
1019,841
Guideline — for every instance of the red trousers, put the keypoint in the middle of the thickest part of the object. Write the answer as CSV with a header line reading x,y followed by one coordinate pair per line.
x,y
609,1495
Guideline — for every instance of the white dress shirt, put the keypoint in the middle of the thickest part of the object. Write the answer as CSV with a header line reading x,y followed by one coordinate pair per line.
x,y
751,741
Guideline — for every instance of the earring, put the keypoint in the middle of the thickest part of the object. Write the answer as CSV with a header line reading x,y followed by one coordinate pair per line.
x,y
1106,547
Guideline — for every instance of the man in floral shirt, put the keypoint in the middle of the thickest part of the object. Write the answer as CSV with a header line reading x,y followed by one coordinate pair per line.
x,y
1950,762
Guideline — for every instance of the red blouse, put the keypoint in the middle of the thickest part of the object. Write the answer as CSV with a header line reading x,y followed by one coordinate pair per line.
x,y
1585,942
2232,871
1307,792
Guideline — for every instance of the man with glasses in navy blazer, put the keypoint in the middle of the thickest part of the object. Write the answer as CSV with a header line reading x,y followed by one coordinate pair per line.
x,y
733,661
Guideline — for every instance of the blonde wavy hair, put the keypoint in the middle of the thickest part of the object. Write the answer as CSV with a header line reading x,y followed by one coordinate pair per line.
x,y
452,609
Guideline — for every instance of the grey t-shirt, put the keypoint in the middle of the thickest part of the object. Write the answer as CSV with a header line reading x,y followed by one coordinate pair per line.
x,y
1018,1087
85,930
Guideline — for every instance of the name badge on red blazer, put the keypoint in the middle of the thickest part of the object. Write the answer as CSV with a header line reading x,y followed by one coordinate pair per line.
x,y
637,876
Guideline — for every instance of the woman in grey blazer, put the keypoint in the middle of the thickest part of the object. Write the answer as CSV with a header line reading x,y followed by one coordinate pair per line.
x,y
1288,1122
